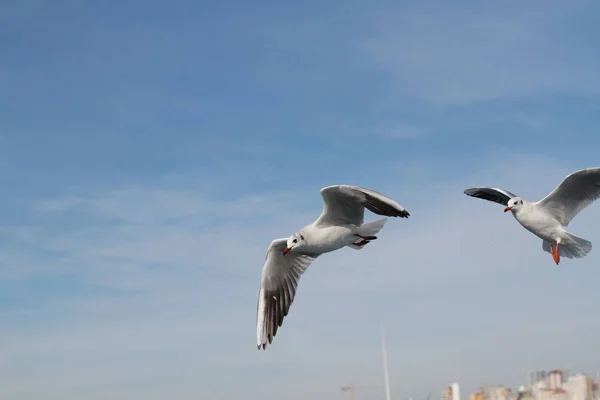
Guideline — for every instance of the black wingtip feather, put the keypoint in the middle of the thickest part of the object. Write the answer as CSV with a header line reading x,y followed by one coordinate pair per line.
x,y
489,194
378,207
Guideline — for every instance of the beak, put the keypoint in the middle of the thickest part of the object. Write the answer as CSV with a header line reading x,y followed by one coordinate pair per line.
x,y
507,209
287,250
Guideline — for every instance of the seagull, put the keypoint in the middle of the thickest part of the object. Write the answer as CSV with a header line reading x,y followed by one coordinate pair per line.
x,y
549,217
340,224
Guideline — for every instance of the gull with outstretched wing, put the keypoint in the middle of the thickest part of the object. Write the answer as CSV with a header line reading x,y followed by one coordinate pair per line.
x,y
549,217
339,225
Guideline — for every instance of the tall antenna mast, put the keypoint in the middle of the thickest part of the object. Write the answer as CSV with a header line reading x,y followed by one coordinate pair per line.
x,y
385,365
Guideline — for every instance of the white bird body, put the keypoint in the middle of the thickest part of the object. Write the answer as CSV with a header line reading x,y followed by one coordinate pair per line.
x,y
549,217
538,221
327,239
339,225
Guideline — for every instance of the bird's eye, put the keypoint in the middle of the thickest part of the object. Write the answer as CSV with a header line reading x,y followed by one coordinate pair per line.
x,y
301,237
295,240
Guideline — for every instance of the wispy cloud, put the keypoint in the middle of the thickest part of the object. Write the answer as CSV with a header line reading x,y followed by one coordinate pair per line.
x,y
458,55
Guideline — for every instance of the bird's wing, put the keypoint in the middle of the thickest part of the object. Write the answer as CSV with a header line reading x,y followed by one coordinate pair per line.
x,y
345,204
279,280
496,195
577,191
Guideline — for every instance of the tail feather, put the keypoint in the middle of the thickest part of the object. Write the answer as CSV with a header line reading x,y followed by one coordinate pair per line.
x,y
573,247
369,229
372,228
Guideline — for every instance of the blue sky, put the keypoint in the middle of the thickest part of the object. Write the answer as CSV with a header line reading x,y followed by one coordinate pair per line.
x,y
150,151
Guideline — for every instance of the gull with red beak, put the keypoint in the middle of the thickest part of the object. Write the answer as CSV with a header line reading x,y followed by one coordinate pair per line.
x,y
339,225
549,217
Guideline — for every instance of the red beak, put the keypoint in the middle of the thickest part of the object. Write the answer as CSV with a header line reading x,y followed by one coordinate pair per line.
x,y
507,209
287,250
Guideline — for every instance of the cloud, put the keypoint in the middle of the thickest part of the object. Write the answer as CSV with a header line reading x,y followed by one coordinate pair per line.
x,y
154,206
454,56
155,302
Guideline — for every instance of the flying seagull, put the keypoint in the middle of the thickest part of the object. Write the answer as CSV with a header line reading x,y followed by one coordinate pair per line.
x,y
549,217
340,224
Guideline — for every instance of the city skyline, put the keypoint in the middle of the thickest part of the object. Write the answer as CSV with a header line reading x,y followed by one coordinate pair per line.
x,y
529,390
551,384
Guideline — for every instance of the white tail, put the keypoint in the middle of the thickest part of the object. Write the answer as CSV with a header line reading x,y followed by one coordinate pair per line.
x,y
572,247
369,229
372,228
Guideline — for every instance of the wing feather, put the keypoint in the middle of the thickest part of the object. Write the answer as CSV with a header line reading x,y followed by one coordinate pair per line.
x,y
496,195
345,204
577,191
279,281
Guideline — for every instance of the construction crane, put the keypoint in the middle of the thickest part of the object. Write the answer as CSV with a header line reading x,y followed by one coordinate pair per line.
x,y
352,389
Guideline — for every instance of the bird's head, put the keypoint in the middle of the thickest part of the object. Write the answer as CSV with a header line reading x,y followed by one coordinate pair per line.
x,y
514,204
294,242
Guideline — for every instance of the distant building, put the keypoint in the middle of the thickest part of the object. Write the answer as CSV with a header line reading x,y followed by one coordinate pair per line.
x,y
447,393
580,387
536,376
455,391
559,385
497,392
451,392
525,394
555,379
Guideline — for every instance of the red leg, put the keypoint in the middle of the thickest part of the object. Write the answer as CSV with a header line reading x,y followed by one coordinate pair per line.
x,y
555,253
361,243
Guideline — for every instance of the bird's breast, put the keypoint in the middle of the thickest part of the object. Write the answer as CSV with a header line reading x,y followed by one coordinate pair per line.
x,y
539,223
